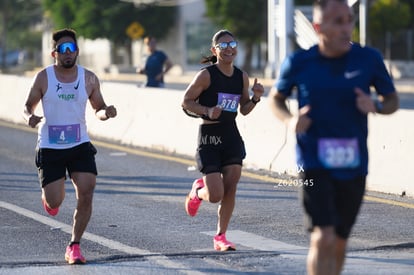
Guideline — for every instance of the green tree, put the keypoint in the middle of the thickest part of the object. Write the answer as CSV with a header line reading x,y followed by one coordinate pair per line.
x,y
247,20
410,3
16,21
110,18
388,16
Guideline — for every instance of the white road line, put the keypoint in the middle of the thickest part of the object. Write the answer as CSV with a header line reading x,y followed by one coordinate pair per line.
x,y
156,258
356,262
68,229
261,243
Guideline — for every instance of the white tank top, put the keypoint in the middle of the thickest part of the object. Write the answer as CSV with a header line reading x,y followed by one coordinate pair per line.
x,y
64,104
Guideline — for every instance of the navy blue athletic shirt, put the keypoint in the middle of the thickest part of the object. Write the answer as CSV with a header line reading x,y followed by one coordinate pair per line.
x,y
337,138
153,67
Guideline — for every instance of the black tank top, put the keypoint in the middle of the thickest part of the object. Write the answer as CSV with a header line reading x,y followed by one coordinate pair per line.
x,y
225,91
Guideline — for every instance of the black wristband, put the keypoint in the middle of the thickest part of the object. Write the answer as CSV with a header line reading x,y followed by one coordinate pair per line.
x,y
255,101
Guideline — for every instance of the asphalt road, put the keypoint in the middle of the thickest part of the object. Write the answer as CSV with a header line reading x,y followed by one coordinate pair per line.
x,y
139,225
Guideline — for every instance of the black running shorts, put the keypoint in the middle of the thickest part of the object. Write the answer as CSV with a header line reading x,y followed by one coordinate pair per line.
x,y
53,163
331,202
219,145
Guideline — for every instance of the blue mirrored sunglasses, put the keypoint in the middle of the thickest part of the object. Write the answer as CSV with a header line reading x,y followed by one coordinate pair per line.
x,y
62,48
225,45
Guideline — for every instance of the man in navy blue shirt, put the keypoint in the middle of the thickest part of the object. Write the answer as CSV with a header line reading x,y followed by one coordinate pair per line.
x,y
333,80
156,65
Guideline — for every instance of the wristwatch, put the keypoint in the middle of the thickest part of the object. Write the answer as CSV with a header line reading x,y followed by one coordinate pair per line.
x,y
378,106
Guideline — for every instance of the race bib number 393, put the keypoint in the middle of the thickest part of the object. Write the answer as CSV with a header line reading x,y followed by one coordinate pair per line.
x,y
338,152
64,134
228,102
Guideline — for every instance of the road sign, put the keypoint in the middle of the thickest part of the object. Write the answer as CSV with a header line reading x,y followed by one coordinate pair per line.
x,y
135,30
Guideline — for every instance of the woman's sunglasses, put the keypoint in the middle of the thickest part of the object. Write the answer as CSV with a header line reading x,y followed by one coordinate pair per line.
x,y
225,45
62,48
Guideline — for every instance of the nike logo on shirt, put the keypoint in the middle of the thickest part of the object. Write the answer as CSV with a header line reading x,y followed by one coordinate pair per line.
x,y
352,74
77,85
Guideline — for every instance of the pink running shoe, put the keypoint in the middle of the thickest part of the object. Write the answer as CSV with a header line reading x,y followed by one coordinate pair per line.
x,y
192,202
50,211
222,244
73,255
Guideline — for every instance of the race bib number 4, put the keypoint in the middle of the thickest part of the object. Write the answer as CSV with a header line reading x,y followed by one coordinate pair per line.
x,y
64,134
228,102
338,152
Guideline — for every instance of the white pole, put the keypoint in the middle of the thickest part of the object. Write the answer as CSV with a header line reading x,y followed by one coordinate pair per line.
x,y
271,39
285,28
363,22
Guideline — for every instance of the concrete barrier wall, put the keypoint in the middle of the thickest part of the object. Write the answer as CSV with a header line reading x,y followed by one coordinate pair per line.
x,y
400,68
153,118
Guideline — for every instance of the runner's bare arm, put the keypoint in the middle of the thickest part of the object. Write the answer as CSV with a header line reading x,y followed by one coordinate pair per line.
x,y
278,106
390,103
93,87
200,82
34,96
247,104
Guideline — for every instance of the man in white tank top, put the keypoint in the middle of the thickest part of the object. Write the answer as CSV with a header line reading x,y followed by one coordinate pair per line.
x,y
63,142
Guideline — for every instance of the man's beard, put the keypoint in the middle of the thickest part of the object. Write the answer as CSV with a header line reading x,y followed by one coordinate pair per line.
x,y
68,65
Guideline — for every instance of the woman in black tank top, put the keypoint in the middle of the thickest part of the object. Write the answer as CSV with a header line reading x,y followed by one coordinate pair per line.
x,y
216,94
